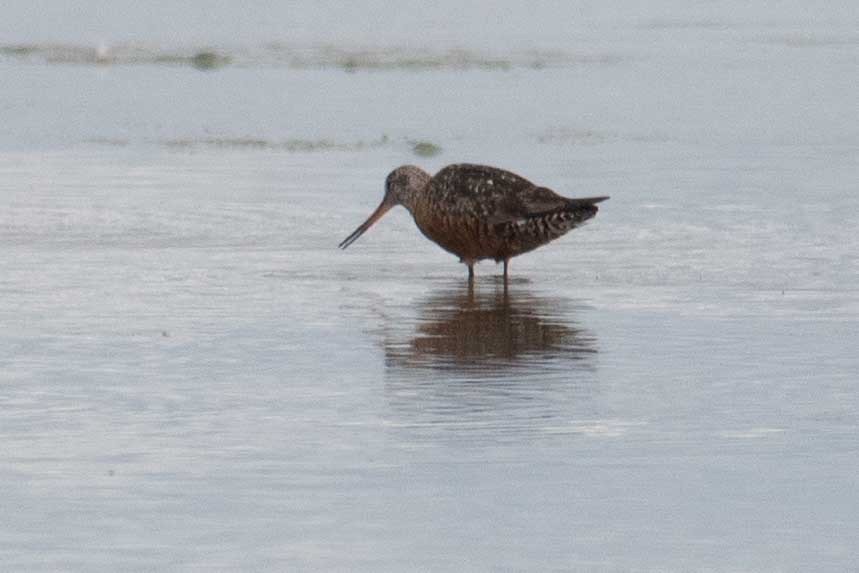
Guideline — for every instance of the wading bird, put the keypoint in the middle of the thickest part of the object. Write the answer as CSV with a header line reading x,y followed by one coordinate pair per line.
x,y
479,212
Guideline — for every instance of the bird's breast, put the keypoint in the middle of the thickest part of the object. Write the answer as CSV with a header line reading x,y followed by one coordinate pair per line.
x,y
466,236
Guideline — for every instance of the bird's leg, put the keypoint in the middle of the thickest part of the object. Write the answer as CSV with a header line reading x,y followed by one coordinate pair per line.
x,y
505,269
470,271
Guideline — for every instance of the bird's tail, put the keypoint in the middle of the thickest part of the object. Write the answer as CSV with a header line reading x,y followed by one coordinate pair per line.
x,y
580,210
586,201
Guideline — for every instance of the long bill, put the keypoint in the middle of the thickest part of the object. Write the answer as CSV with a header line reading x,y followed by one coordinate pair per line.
x,y
377,214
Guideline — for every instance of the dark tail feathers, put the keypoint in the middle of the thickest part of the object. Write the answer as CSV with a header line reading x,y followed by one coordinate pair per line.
x,y
585,201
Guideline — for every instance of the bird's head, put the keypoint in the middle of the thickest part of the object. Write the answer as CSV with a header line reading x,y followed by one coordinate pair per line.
x,y
401,187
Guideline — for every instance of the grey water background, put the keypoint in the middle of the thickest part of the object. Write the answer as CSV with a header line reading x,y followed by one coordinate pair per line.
x,y
193,377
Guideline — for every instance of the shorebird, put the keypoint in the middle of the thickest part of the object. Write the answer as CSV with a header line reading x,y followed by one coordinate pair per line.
x,y
479,212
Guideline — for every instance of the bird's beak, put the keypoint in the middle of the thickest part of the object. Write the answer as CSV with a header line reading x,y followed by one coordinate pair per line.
x,y
377,214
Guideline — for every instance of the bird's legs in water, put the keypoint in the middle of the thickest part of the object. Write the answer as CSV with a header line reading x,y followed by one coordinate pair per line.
x,y
470,265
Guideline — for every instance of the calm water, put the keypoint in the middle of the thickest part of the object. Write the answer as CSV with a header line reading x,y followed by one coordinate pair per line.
x,y
193,377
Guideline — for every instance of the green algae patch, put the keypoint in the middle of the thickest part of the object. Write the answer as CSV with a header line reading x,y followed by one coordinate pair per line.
x,y
425,148
208,60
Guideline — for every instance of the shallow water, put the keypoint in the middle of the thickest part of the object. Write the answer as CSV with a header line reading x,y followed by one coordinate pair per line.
x,y
194,377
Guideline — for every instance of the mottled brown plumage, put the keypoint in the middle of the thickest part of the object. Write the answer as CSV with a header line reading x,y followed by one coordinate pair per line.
x,y
479,212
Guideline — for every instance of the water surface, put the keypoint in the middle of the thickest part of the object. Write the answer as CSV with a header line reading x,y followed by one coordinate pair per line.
x,y
193,376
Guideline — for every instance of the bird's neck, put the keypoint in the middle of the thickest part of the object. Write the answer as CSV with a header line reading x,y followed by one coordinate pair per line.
x,y
411,196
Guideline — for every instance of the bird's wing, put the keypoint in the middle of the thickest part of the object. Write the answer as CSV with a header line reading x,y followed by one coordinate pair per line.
x,y
535,201
495,195
488,193
474,179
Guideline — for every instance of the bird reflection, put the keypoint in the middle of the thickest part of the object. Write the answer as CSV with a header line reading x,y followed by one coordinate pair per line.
x,y
494,329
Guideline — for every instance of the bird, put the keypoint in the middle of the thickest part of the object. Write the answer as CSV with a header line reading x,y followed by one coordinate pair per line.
x,y
479,212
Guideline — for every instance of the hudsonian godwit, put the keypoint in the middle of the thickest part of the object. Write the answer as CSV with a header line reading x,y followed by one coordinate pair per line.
x,y
480,212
